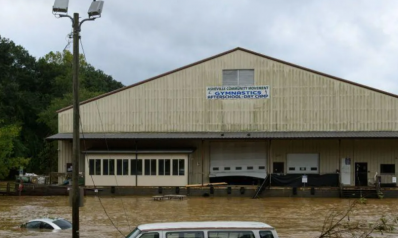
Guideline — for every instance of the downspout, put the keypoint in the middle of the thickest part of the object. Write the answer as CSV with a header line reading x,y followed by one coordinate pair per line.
x,y
202,161
136,164
269,161
340,184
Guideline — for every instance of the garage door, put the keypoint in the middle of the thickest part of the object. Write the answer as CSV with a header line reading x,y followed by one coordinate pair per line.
x,y
303,163
238,159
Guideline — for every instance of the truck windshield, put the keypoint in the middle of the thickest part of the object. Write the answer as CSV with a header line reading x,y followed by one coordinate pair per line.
x,y
134,233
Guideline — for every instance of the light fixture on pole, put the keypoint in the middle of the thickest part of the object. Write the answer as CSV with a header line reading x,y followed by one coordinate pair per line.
x,y
60,9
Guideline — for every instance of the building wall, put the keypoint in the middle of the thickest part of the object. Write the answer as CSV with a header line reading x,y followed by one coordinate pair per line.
x,y
299,101
372,151
133,180
65,154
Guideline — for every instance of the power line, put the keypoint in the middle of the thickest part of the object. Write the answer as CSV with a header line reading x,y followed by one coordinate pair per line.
x,y
107,146
92,179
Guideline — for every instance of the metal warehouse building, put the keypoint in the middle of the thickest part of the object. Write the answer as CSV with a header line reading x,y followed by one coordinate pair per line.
x,y
236,117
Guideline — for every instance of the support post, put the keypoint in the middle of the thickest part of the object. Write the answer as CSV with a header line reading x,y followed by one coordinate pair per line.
x,y
76,135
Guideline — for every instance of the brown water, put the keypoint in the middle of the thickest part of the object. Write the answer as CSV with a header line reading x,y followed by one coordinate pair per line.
x,y
292,217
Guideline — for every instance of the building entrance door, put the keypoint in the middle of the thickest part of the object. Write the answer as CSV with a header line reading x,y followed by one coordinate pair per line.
x,y
361,174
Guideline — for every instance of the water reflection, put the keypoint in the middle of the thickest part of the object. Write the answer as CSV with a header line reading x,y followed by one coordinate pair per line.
x,y
292,217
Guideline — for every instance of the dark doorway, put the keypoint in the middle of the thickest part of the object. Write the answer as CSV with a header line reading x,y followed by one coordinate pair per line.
x,y
361,174
278,167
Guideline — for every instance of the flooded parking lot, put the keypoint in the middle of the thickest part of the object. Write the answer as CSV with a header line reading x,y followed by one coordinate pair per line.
x,y
116,216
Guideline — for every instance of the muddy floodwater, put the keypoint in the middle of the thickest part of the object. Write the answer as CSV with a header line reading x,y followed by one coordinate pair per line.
x,y
116,216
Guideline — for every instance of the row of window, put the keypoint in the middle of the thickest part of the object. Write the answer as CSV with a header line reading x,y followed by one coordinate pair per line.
x,y
210,234
239,168
303,169
279,168
149,167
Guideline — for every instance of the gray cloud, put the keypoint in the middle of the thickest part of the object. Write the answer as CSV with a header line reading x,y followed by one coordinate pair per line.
x,y
135,40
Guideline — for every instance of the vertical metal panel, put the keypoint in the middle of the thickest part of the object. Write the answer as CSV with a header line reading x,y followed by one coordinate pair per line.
x,y
327,150
299,101
371,151
64,155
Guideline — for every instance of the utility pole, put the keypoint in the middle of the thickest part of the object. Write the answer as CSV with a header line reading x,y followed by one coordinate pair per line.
x,y
60,9
76,131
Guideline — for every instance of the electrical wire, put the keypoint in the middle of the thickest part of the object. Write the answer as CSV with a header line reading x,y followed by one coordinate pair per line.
x,y
69,36
107,147
92,179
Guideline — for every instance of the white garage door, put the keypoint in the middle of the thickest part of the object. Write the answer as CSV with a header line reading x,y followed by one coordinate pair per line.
x,y
303,163
238,159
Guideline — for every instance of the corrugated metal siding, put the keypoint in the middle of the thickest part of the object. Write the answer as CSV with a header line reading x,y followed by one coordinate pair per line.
x,y
300,101
372,152
64,155
328,151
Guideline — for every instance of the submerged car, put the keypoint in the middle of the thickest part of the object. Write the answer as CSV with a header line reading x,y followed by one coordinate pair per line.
x,y
48,223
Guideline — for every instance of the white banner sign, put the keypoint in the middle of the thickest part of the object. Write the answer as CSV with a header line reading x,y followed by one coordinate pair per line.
x,y
237,92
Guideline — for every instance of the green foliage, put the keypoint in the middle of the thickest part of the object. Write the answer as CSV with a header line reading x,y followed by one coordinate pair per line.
x,y
362,200
31,91
8,159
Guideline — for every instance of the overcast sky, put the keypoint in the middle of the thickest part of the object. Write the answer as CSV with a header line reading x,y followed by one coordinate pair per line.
x,y
138,39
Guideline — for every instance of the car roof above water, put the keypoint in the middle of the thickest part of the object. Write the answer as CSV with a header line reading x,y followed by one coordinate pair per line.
x,y
48,220
204,225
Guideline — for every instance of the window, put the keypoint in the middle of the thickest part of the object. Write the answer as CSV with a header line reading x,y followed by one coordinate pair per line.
x,y
387,168
136,167
91,167
185,234
261,167
238,77
249,167
108,167
266,234
45,225
238,168
63,224
215,169
125,167
33,224
164,167
105,169
230,234
227,168
150,235
122,166
178,167
94,167
98,167
150,167
279,167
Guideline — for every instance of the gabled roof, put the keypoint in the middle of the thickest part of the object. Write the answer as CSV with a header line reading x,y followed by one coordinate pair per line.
x,y
222,54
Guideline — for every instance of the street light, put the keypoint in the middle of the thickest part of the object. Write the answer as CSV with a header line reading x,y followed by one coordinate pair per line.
x,y
60,9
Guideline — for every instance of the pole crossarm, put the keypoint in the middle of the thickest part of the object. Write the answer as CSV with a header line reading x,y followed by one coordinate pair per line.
x,y
73,22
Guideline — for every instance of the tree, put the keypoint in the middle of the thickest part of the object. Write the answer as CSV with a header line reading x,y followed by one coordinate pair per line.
x,y
338,224
9,157
56,70
32,91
